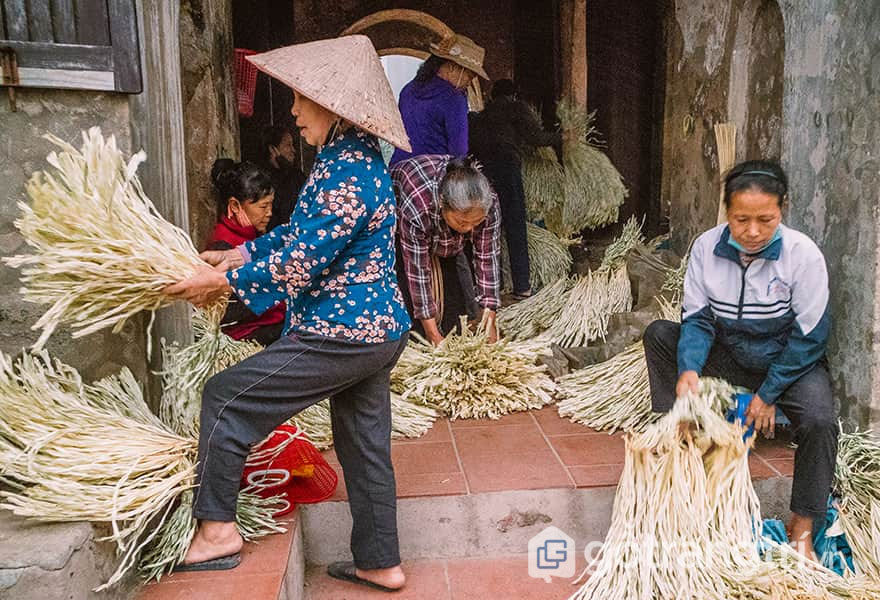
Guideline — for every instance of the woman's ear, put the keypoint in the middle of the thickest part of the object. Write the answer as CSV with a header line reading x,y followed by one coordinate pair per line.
x,y
232,206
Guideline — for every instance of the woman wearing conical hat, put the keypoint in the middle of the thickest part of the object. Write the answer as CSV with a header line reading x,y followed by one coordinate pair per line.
x,y
434,104
346,324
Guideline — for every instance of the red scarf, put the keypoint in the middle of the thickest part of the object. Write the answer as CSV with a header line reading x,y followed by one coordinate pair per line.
x,y
231,232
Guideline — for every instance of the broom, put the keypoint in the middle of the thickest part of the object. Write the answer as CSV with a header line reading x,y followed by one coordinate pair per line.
x,y
725,140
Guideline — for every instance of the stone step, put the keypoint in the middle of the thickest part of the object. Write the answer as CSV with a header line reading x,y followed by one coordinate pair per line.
x,y
490,524
56,561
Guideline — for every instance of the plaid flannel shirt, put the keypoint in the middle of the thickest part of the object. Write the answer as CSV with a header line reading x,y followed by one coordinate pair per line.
x,y
422,232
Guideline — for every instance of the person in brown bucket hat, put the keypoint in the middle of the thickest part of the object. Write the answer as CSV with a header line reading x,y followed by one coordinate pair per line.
x,y
346,324
434,104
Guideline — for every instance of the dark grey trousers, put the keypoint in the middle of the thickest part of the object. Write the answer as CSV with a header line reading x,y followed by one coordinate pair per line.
x,y
807,403
244,403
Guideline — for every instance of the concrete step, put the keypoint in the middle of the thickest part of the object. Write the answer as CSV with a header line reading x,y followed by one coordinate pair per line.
x,y
56,561
490,524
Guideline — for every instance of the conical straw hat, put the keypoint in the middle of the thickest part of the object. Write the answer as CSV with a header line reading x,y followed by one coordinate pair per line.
x,y
344,76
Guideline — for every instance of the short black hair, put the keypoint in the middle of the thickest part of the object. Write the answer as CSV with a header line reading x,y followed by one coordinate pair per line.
x,y
764,175
273,134
244,181
428,69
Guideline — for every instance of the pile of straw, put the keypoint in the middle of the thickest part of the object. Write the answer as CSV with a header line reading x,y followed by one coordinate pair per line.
x,y
597,295
542,183
613,394
467,377
77,452
102,253
549,258
857,483
686,519
530,317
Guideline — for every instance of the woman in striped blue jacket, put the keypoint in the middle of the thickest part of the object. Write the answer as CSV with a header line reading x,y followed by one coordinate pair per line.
x,y
755,312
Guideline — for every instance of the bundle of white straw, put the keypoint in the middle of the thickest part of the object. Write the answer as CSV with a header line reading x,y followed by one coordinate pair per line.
x,y
549,258
543,184
186,369
467,377
686,519
597,295
614,394
531,316
857,481
593,188
102,253
73,452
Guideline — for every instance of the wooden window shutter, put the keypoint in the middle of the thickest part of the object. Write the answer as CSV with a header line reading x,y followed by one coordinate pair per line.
x,y
73,44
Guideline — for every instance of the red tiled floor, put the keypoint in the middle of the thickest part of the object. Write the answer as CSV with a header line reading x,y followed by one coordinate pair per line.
x,y
517,418
535,470
438,433
589,449
411,485
217,587
259,575
760,469
502,578
473,442
426,457
552,424
586,476
785,466
426,581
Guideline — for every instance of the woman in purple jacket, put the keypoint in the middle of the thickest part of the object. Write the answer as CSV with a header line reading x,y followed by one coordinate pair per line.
x,y
434,104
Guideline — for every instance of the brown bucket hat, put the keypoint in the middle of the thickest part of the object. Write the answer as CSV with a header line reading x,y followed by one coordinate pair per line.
x,y
345,76
462,51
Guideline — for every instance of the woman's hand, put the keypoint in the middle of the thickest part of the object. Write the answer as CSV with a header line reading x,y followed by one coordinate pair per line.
x,y
688,381
762,415
205,287
229,259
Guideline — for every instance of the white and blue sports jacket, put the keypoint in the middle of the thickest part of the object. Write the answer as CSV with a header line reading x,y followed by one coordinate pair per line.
x,y
771,315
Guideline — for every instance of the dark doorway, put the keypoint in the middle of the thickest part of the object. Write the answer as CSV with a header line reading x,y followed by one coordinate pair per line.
x,y
625,84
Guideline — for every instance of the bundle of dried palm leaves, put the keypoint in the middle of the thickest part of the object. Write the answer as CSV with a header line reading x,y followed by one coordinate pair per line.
x,y
857,482
549,258
467,377
528,318
597,295
613,394
102,253
72,451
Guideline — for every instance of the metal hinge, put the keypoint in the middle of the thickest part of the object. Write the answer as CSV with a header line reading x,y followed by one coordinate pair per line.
x,y
9,64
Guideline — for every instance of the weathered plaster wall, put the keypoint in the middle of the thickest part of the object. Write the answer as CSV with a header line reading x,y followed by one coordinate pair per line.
x,y
210,111
23,151
829,137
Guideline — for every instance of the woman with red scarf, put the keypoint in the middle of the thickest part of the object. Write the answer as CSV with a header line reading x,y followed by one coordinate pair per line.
x,y
244,206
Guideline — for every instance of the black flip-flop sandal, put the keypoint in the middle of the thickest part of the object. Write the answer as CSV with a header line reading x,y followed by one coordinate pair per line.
x,y
346,571
215,564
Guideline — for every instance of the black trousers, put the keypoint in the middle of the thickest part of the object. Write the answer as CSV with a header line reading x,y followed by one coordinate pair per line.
x,y
807,403
505,175
244,403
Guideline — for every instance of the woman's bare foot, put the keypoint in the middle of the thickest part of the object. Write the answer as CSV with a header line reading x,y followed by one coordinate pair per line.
x,y
392,577
801,536
213,539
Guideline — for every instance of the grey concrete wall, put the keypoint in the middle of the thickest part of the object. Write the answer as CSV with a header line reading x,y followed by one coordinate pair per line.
x,y
23,151
830,135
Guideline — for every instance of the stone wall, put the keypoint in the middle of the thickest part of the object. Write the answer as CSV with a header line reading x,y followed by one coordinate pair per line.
x,y
829,130
210,112
23,151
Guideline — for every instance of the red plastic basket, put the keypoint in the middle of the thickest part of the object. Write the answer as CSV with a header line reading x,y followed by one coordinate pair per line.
x,y
245,82
300,455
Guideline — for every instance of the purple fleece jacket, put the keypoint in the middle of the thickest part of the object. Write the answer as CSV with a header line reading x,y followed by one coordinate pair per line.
x,y
435,116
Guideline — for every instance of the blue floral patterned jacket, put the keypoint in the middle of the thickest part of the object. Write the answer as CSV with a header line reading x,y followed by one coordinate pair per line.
x,y
334,261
